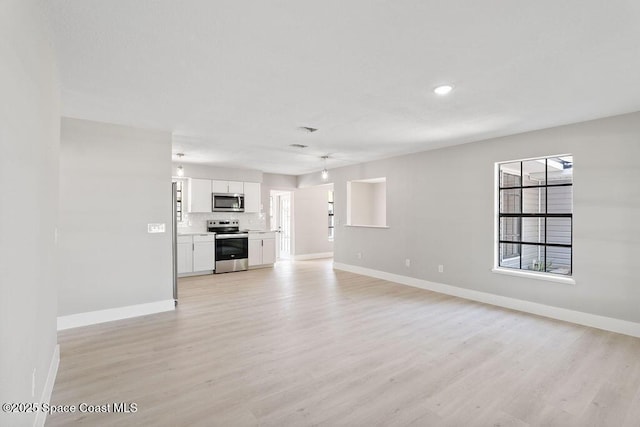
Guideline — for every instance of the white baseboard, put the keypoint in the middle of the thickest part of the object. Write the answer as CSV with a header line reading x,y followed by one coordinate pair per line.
x,y
108,315
196,273
592,320
41,416
259,266
303,257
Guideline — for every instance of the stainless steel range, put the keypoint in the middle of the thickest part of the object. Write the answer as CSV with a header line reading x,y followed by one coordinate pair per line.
x,y
232,245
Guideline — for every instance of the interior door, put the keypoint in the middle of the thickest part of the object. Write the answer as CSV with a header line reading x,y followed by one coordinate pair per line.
x,y
281,217
285,225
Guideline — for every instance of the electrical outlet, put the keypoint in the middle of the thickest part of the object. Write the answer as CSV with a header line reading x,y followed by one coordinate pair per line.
x,y
441,268
359,255
33,383
407,262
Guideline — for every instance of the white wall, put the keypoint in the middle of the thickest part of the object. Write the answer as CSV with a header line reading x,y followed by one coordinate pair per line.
x,y
360,199
441,211
29,138
194,170
114,180
280,182
311,220
380,203
368,203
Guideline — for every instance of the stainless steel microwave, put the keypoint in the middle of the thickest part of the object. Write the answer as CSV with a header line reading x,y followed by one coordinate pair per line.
x,y
227,202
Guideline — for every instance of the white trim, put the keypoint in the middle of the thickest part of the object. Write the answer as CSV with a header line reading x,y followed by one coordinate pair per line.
x,y
587,319
537,276
258,266
196,273
540,157
366,226
496,214
372,180
110,314
317,255
41,416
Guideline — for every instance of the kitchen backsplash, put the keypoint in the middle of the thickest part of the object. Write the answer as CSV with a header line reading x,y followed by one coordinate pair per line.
x,y
197,222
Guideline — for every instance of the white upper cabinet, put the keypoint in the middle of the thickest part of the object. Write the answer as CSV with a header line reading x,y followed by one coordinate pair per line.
x,y
236,187
201,190
220,186
228,187
199,195
252,197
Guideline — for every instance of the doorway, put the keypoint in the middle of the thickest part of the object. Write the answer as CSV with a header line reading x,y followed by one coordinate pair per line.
x,y
280,214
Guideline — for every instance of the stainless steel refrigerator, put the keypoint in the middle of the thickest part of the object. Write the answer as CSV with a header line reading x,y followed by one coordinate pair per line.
x,y
174,238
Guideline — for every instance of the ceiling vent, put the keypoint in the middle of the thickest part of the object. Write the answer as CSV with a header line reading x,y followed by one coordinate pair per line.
x,y
307,129
298,145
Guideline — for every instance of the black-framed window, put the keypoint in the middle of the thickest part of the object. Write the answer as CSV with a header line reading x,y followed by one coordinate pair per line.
x,y
331,206
179,200
535,215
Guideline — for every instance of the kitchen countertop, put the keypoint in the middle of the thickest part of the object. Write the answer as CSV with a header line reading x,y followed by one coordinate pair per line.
x,y
194,233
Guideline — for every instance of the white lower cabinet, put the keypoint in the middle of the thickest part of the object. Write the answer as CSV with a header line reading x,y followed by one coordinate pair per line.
x,y
262,248
255,252
185,254
204,252
196,253
269,251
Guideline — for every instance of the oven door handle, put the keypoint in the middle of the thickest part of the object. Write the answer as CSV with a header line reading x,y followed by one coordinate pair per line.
x,y
232,236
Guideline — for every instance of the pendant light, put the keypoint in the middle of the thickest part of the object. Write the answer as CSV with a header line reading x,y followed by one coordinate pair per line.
x,y
325,172
180,169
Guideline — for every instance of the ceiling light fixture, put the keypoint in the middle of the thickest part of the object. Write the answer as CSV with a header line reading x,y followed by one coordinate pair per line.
x,y
325,172
180,169
443,90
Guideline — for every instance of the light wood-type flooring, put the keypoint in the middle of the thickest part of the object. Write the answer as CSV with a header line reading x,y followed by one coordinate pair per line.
x,y
302,344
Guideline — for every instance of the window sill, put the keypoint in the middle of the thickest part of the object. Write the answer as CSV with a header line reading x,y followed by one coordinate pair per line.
x,y
536,276
367,226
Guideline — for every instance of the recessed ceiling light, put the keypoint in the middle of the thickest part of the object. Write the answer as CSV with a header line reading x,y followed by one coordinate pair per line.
x,y
443,90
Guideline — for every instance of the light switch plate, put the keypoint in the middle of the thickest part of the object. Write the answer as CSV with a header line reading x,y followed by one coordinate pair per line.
x,y
155,228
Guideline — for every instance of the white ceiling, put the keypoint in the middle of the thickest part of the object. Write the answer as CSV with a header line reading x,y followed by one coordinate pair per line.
x,y
233,80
